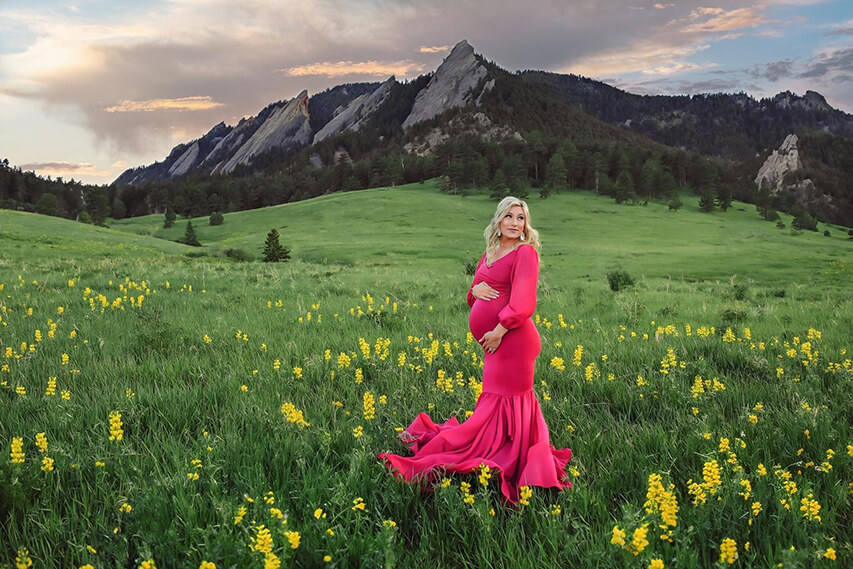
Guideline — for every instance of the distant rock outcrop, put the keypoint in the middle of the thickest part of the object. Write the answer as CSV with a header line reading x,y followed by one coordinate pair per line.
x,y
283,125
354,115
779,164
453,85
287,127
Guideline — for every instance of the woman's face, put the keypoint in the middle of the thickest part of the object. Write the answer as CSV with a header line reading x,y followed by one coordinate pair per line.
x,y
512,225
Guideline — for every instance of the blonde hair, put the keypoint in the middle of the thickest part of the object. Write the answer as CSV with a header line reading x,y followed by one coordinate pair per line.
x,y
492,231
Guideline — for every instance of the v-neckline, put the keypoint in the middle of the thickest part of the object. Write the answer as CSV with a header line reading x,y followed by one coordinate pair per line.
x,y
510,252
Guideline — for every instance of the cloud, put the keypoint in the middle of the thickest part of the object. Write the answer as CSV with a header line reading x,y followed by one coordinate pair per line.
x,y
648,58
181,104
660,6
723,21
773,71
828,63
840,32
66,169
119,164
434,49
676,68
405,68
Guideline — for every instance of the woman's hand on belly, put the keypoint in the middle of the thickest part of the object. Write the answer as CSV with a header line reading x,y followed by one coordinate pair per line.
x,y
483,291
491,340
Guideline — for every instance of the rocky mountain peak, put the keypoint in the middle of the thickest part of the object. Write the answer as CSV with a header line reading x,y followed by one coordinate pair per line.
x,y
453,85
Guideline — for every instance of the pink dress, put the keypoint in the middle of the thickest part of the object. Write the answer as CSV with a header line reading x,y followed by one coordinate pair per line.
x,y
507,431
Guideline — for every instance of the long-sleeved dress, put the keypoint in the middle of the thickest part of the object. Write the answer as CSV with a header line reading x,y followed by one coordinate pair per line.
x,y
507,431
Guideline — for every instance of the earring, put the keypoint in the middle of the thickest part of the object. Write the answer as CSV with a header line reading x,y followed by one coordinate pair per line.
x,y
522,236
499,233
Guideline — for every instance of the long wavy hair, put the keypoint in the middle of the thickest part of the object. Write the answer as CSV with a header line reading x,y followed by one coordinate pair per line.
x,y
492,231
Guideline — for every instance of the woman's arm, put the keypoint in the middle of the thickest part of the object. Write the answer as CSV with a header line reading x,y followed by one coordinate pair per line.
x,y
470,297
522,297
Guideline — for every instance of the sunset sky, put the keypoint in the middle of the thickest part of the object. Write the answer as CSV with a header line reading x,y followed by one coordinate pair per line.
x,y
90,88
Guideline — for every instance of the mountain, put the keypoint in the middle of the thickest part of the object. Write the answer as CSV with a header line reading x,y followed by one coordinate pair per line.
x,y
735,127
470,120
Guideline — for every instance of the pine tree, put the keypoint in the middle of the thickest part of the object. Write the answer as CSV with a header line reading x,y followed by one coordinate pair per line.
x,y
706,202
273,250
189,236
555,175
624,187
170,218
724,197
499,188
675,202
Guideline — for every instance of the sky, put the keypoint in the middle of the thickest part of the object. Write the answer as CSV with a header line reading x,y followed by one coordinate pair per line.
x,y
89,88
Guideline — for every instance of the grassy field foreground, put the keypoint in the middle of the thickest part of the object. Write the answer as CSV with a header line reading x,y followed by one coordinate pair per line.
x,y
157,405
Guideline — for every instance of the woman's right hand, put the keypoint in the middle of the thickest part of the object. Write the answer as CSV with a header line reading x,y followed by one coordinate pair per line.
x,y
483,291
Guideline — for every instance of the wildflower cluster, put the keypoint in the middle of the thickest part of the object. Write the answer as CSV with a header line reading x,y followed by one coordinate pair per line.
x,y
116,432
293,414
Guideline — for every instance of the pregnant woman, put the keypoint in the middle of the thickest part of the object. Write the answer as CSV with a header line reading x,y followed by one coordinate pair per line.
x,y
507,431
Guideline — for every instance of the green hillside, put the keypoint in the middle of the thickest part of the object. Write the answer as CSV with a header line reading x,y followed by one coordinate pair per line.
x,y
584,236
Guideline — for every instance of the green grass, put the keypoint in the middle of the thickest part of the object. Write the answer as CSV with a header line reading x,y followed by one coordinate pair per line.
x,y
181,397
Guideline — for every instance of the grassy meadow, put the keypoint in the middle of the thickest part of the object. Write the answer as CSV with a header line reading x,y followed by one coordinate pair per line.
x,y
167,405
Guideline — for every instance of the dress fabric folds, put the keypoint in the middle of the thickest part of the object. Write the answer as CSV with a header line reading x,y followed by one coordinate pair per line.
x,y
507,430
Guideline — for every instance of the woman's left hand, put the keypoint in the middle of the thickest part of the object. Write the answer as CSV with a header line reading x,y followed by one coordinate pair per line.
x,y
491,340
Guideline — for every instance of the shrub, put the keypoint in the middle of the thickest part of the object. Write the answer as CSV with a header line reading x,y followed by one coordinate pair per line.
x,y
471,266
675,203
216,218
826,233
619,280
739,291
804,220
170,217
239,255
85,217
769,214
780,224
779,293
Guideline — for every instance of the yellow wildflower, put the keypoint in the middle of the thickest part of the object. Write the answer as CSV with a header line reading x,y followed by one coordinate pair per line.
x,y
638,539
728,551
293,538
17,453
618,536
116,432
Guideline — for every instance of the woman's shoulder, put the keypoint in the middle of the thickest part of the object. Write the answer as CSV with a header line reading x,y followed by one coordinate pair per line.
x,y
526,249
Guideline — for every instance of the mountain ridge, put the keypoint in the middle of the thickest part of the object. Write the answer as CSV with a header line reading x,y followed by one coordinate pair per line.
x,y
730,126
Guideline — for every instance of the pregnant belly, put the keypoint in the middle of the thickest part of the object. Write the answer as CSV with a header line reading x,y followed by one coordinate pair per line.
x,y
484,316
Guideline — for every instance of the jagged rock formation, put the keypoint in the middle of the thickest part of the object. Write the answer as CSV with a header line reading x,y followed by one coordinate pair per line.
x,y
287,127
453,85
281,126
779,165
354,115
811,101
